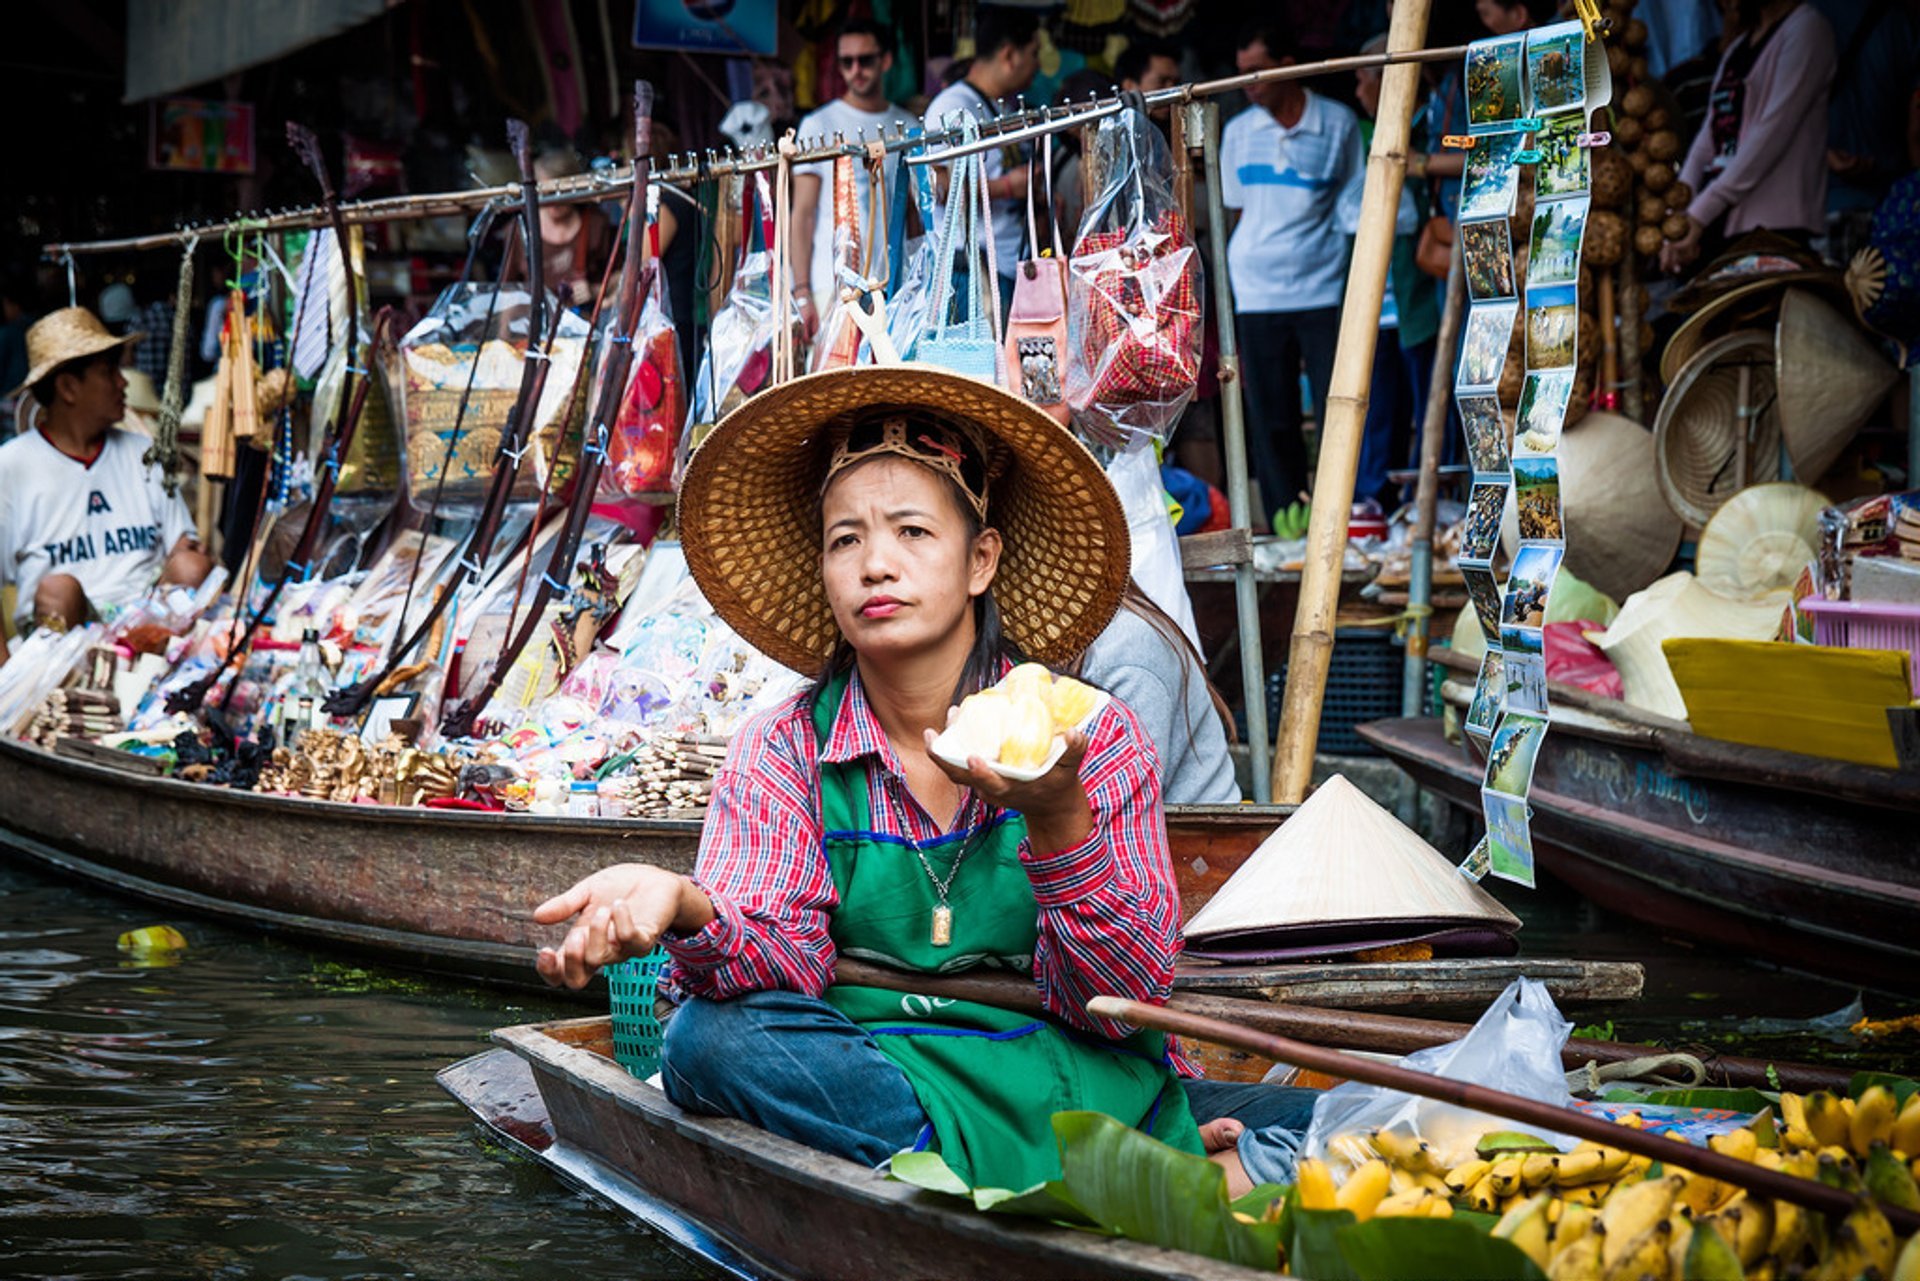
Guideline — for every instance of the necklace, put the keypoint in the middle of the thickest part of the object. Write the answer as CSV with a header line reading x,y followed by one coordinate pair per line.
x,y
941,931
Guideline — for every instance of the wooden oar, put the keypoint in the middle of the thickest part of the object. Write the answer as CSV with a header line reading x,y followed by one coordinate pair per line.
x,y
1755,1178
1345,1029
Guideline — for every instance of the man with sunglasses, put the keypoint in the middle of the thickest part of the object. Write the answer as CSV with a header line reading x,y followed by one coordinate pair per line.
x,y
864,56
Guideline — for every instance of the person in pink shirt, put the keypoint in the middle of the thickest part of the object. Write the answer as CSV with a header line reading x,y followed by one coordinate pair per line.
x,y
1760,158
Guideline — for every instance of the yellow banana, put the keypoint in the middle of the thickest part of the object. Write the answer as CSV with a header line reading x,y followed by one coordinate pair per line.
x,y
1697,1192
1791,1233
1526,1226
1481,1195
1872,1121
1632,1120
1793,1111
1907,1266
1314,1181
1635,1168
1632,1210
1590,1195
1747,1225
1588,1163
1826,1119
1708,1257
1644,1256
1506,1175
1863,1241
1739,1144
1580,1261
1363,1190
1536,1169
1411,1154
1463,1176
1575,1221
1906,1129
1439,1208
1434,1184
1412,1203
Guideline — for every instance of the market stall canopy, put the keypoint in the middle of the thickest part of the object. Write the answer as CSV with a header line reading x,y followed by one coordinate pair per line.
x,y
176,44
1341,875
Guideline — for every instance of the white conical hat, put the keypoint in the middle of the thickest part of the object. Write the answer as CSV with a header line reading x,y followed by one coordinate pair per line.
x,y
1342,867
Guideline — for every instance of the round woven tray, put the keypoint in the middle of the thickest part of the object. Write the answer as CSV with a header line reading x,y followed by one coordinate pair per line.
x,y
1698,431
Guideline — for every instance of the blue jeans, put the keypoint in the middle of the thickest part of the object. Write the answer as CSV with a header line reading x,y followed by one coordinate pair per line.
x,y
794,1066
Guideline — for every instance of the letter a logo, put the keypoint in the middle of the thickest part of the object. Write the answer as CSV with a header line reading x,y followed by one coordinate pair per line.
x,y
97,503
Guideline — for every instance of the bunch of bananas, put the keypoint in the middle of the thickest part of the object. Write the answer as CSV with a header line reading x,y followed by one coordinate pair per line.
x,y
1601,1212
1291,521
1014,723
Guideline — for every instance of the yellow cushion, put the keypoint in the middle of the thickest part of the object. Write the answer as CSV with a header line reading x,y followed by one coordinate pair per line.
x,y
1815,699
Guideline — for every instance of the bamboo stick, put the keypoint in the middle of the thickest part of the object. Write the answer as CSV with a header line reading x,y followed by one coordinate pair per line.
x,y
1744,1174
1426,494
1344,415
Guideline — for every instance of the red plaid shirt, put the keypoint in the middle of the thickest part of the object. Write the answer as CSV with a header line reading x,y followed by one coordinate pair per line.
x,y
1109,911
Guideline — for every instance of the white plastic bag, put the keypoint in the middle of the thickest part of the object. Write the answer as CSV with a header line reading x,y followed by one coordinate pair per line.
x,y
1156,548
1514,1047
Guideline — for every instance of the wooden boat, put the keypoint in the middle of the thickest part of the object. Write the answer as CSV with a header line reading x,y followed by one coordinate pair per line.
x,y
752,1204
1807,862
452,891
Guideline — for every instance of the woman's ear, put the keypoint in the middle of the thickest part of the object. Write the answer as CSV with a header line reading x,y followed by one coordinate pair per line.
x,y
983,562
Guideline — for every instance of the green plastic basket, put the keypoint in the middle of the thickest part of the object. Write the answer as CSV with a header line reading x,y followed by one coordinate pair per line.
x,y
636,1032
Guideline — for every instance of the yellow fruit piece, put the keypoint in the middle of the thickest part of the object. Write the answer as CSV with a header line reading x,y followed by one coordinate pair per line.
x,y
1536,1169
1481,1196
1506,1175
1827,1119
1588,1163
1404,1150
1070,700
1029,733
1411,1203
1632,1210
981,723
1907,1266
1364,1189
1739,1144
1873,1118
1575,1221
1525,1225
1314,1181
152,939
1592,1195
1463,1176
1580,1261
1028,680
1906,1129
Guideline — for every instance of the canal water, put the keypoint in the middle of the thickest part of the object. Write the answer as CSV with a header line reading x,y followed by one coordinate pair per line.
x,y
262,1110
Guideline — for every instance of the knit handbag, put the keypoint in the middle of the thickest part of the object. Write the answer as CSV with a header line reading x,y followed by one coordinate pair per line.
x,y
972,346
1036,343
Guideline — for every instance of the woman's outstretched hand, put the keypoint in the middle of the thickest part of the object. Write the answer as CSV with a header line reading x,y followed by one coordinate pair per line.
x,y
617,913
1055,805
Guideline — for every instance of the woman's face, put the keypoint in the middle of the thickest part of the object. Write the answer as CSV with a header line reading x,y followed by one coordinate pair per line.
x,y
900,567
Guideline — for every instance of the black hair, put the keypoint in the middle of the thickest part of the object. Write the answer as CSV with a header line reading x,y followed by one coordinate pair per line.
x,y
1134,60
1279,45
79,367
997,26
865,27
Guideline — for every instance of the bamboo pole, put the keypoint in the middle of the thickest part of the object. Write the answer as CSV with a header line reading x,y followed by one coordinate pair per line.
x,y
1672,1152
1344,416
1426,494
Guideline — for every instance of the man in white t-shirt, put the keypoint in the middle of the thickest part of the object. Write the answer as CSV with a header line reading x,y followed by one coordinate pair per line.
x,y
86,526
1006,56
1283,162
864,50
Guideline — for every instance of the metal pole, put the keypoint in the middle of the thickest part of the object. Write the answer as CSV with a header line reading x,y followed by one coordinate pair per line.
x,y
1344,418
1426,494
1204,123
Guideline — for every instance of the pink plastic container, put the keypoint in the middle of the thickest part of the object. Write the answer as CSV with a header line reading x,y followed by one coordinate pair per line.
x,y
1876,624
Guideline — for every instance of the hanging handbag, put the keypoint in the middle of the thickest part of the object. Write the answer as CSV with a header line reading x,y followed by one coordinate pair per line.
x,y
1036,344
647,426
837,345
972,345
1433,251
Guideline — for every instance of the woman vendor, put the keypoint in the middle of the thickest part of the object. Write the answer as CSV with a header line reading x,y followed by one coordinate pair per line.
x,y
908,534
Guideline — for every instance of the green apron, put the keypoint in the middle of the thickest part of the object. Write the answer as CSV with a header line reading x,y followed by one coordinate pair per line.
x,y
990,1079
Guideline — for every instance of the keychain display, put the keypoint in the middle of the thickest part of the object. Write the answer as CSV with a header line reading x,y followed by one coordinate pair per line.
x,y
1036,342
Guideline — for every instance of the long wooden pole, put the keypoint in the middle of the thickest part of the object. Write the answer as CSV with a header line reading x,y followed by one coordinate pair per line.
x,y
1744,1174
1345,414
1426,492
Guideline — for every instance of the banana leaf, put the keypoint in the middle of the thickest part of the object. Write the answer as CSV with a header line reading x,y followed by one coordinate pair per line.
x,y
1408,1249
1313,1244
929,1171
1903,1088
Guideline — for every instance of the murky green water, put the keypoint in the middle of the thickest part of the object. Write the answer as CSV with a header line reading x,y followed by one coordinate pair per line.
x,y
263,1110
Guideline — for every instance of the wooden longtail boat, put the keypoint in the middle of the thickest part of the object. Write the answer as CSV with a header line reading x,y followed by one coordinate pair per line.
x,y
452,891
752,1204
1807,862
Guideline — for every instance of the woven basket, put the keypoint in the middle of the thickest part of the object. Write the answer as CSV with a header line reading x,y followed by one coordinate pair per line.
x,y
636,1032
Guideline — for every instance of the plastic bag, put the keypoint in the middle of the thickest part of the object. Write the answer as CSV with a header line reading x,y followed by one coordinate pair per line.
x,y
1134,294
431,372
653,412
911,305
1156,548
370,474
1515,1046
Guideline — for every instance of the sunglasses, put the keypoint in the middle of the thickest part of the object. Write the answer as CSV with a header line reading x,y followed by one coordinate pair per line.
x,y
864,61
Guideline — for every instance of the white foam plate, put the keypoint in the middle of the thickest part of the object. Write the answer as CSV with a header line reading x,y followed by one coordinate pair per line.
x,y
948,748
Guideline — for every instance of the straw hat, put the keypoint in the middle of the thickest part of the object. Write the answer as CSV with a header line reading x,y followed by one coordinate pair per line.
x,y
1838,378
750,522
67,334
1740,288
1621,534
1699,430
1677,605
1758,542
1343,874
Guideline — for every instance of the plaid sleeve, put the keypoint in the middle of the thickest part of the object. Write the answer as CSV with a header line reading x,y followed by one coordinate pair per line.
x,y
1109,909
764,867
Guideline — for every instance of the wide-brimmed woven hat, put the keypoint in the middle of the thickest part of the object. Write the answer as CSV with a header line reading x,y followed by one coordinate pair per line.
x,y
1831,377
67,334
1703,425
750,512
1621,533
1742,288
1758,542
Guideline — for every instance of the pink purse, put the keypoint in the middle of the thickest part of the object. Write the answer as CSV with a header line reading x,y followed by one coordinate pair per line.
x,y
1036,340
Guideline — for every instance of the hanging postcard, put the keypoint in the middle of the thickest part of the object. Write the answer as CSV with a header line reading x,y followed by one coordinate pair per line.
x,y
1486,430
1557,228
1490,187
1509,842
1525,669
1563,169
1564,73
1536,496
1484,343
1489,696
1516,745
1543,409
1495,99
1484,590
1488,249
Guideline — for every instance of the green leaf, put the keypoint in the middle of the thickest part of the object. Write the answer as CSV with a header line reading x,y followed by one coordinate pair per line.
x,y
1409,1249
930,1171
1148,1191
1903,1087
1595,1032
1313,1247
1710,1097
1257,1200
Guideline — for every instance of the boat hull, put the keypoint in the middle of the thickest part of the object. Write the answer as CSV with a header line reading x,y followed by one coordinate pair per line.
x,y
1813,882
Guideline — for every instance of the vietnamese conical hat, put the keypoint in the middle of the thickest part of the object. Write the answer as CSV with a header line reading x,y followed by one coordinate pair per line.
x,y
1699,431
1343,874
1677,605
1758,542
1830,378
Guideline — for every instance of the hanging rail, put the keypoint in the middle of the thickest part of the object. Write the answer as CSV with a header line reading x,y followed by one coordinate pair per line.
x,y
686,169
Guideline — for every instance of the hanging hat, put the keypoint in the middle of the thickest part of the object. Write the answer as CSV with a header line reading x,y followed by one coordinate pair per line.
x,y
1838,377
1621,534
1740,289
68,334
1677,605
1343,874
1758,542
1698,433
750,510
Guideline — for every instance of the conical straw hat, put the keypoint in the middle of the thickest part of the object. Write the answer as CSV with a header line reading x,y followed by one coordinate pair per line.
x,y
1699,430
1830,377
1621,535
1677,605
1758,542
1343,874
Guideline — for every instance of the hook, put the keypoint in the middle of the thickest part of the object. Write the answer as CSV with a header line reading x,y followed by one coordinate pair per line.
x,y
73,283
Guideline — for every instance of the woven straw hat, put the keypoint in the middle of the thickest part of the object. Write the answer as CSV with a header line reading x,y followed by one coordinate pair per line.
x,y
67,334
1699,430
1838,377
1677,605
1761,279
750,518
1758,542
1621,532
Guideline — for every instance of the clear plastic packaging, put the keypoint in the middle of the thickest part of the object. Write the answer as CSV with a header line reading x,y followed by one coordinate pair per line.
x,y
642,439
